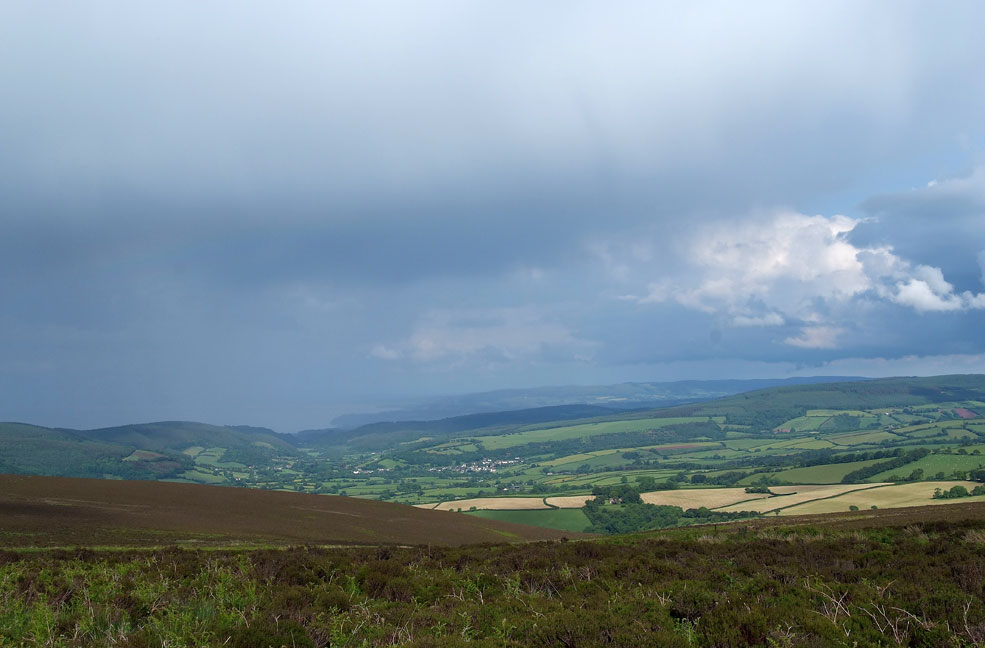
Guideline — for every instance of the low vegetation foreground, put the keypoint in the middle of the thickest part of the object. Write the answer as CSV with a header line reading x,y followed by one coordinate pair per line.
x,y
870,579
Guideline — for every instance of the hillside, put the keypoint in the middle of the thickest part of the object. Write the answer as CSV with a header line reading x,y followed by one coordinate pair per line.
x,y
386,434
768,408
179,435
163,450
47,511
45,451
622,396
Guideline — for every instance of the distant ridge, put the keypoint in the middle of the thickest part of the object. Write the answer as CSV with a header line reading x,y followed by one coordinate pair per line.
x,y
621,396
372,432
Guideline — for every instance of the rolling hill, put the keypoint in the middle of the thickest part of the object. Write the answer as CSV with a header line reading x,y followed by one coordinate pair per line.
x,y
110,452
622,396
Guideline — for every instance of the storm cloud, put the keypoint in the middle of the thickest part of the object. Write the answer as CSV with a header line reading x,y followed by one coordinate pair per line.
x,y
267,214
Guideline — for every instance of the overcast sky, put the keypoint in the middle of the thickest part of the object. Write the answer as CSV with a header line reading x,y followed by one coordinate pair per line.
x,y
274,213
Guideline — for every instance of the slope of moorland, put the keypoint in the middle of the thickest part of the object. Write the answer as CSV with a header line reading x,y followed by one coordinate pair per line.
x,y
55,511
906,578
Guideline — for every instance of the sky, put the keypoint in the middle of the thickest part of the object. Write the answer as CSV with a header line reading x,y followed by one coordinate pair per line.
x,y
276,213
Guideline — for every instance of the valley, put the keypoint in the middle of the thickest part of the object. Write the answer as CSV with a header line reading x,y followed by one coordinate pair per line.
x,y
810,447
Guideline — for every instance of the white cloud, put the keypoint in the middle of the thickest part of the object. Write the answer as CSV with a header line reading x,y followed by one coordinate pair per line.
x,y
485,337
816,337
788,267
768,319
385,353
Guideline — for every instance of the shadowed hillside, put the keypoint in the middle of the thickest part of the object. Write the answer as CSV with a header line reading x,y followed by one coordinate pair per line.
x,y
52,511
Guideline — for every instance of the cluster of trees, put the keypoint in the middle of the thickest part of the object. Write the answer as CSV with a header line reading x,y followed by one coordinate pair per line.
x,y
617,494
958,491
842,423
619,509
632,517
758,489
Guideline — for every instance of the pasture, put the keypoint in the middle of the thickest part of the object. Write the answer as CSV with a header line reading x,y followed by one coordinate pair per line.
x,y
565,519
822,474
564,433
936,463
863,438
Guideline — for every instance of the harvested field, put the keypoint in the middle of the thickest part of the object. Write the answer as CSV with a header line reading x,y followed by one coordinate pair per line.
x,y
711,498
60,511
569,501
793,495
891,496
494,504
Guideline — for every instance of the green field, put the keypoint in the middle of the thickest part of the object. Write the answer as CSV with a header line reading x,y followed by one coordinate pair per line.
x,y
202,477
560,519
823,474
542,435
935,463
861,438
804,423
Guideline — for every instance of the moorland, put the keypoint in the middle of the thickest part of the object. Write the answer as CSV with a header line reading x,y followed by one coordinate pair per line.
x,y
903,577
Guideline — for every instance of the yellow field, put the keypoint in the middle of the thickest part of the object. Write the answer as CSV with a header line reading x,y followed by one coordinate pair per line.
x,y
794,500
891,496
698,497
569,501
800,495
494,504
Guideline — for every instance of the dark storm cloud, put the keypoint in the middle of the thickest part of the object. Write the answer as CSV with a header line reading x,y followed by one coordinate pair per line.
x,y
942,224
247,213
